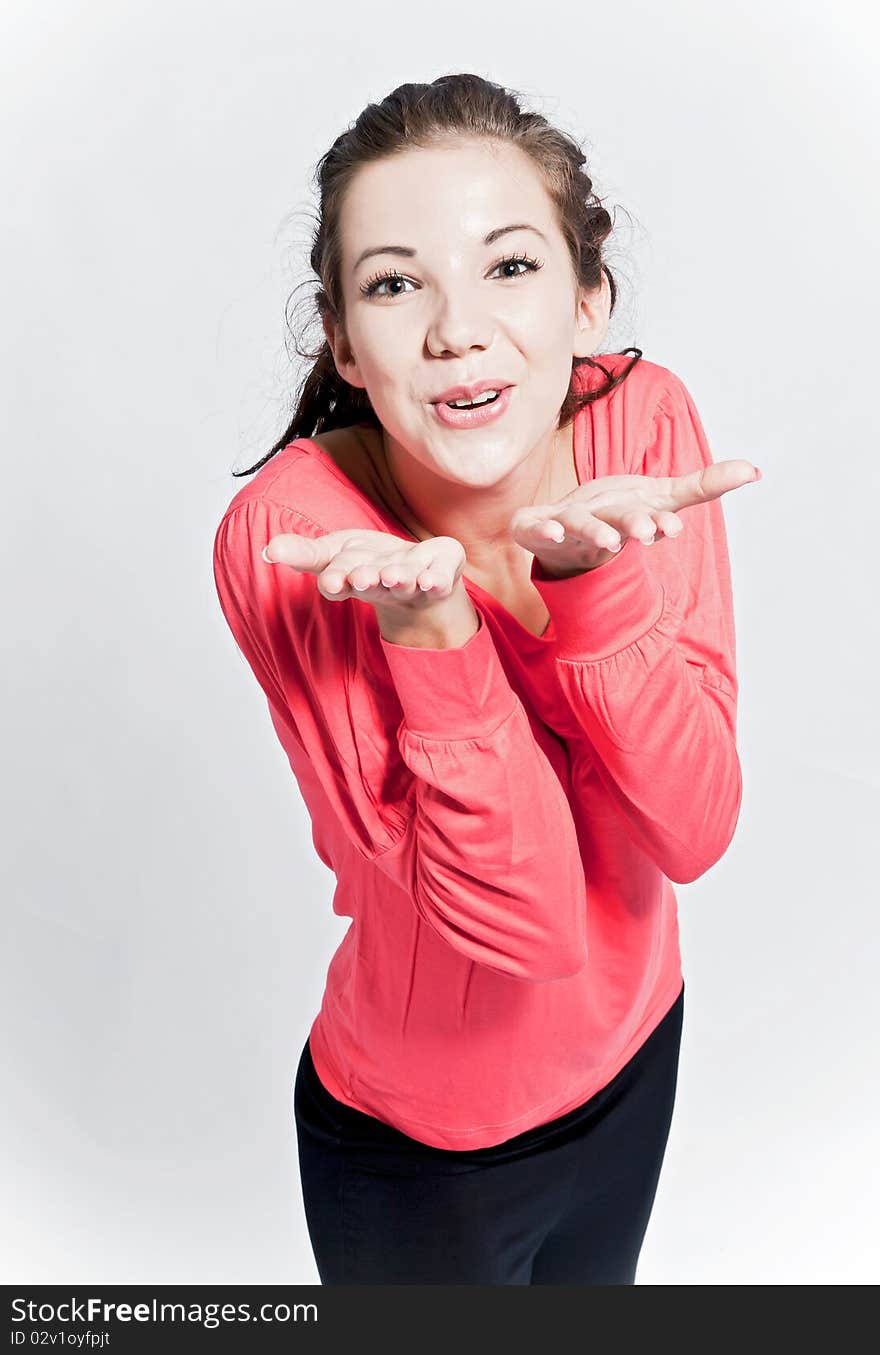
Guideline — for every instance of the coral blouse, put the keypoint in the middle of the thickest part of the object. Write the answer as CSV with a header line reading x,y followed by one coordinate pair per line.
x,y
505,819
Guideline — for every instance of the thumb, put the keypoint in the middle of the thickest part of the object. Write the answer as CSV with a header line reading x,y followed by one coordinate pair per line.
x,y
300,552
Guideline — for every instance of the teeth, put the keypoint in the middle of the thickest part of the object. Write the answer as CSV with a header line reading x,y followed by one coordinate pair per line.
x,y
469,404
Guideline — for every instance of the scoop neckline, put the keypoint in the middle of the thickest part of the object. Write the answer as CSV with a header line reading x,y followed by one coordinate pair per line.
x,y
581,472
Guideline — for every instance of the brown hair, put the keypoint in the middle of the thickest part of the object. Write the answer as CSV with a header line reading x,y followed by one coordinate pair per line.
x,y
421,115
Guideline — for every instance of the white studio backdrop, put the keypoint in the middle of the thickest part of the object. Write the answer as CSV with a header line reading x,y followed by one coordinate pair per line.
x,y
167,923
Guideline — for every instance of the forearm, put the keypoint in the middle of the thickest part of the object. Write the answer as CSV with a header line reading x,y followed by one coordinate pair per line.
x,y
643,660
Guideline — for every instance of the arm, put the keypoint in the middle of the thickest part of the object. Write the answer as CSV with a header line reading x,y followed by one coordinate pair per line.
x,y
646,658
429,762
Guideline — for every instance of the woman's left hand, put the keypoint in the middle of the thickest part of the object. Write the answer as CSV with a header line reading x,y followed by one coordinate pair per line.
x,y
589,526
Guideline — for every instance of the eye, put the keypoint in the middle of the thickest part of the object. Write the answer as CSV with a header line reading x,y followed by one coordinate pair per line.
x,y
372,285
371,288
530,265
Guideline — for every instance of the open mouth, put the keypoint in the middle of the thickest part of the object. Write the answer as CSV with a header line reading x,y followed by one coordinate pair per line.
x,y
486,399
482,410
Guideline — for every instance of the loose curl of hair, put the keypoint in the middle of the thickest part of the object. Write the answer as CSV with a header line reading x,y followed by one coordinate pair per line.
x,y
426,115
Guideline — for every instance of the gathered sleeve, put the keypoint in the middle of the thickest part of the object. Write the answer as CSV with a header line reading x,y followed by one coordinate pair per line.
x,y
428,760
646,657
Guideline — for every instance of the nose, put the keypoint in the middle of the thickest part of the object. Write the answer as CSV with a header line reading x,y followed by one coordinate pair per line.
x,y
458,325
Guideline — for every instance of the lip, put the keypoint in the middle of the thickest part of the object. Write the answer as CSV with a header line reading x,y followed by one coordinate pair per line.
x,y
474,418
470,392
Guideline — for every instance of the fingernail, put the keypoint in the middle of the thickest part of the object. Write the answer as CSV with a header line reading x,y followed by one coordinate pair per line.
x,y
758,475
266,557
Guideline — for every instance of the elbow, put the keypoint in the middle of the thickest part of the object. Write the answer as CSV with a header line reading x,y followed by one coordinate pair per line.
x,y
682,865
530,963
574,964
683,868
680,874
520,943
547,966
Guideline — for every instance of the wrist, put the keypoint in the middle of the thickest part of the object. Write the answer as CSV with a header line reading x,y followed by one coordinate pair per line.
x,y
447,624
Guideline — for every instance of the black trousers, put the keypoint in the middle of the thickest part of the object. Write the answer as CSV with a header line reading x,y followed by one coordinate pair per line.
x,y
567,1202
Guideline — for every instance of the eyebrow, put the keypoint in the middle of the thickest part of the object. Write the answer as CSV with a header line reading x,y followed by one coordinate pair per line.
x,y
406,252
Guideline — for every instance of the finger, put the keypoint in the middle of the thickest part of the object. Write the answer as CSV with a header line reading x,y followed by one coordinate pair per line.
x,y
581,525
333,582
537,529
432,575
550,531
406,577
365,572
315,553
345,573
365,569
363,577
668,524
401,577
551,524
710,482
640,524
308,553
447,559
348,573
358,561
536,520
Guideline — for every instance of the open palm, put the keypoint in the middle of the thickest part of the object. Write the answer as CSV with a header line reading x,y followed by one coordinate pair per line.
x,y
589,525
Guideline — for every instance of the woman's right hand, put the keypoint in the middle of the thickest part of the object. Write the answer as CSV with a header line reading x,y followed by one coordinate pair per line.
x,y
396,576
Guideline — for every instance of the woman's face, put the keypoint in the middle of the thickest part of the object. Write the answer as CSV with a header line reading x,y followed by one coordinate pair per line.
x,y
459,313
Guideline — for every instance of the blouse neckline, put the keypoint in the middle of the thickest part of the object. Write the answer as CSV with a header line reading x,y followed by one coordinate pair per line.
x,y
482,595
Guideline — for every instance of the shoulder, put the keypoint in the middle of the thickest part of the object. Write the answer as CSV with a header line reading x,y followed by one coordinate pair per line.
x,y
304,481
619,425
298,490
644,386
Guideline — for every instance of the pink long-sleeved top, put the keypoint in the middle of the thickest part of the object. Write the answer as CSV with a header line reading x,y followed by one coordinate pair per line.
x,y
504,819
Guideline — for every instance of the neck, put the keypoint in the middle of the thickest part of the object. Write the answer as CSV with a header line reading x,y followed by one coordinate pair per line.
x,y
429,505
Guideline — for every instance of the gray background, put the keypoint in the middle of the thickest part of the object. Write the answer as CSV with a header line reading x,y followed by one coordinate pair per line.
x,y
167,924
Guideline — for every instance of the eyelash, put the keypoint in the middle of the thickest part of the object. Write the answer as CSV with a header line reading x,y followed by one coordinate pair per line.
x,y
369,288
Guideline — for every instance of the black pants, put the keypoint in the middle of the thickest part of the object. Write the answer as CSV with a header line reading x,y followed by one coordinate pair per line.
x,y
567,1202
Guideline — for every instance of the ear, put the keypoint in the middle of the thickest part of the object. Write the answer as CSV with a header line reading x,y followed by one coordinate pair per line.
x,y
591,319
344,359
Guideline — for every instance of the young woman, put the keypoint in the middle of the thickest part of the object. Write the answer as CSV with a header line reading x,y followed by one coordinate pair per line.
x,y
512,723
